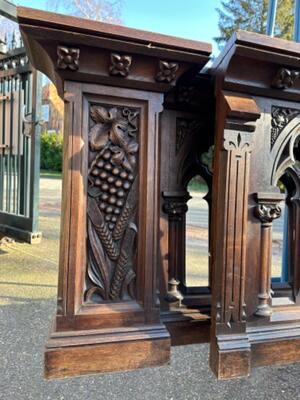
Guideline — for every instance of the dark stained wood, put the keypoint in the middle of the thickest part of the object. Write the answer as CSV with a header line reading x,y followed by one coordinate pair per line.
x,y
233,146
139,117
88,352
97,43
249,327
187,326
115,83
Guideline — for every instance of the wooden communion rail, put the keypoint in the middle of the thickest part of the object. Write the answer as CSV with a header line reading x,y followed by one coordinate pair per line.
x,y
138,118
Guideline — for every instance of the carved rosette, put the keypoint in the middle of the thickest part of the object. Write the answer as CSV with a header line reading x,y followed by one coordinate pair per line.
x,y
112,203
68,58
285,78
280,117
167,71
120,65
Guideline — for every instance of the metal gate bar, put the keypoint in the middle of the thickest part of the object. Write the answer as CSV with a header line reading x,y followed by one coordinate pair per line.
x,y
20,110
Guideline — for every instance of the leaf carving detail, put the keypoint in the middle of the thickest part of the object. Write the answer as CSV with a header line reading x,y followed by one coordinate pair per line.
x,y
111,203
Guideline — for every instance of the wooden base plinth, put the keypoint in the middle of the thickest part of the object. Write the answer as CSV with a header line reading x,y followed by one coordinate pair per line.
x,y
230,356
96,351
233,356
275,344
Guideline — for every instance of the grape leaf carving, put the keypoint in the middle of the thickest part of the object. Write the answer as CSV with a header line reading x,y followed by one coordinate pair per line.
x,y
112,203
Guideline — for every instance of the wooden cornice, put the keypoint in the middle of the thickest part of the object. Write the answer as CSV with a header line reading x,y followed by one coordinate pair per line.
x,y
260,65
107,54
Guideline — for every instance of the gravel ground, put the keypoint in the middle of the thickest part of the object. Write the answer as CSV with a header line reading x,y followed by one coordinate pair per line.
x,y
186,378
28,277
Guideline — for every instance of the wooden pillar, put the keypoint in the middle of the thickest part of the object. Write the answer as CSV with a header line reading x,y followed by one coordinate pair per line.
x,y
266,211
230,347
112,80
257,89
175,206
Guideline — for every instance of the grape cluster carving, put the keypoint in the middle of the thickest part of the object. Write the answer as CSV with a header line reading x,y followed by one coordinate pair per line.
x,y
112,191
114,183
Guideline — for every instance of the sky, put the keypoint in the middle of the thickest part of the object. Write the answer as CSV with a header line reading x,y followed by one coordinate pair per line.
x,y
191,19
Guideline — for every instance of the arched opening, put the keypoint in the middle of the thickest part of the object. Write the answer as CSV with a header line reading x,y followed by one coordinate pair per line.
x,y
279,271
285,243
197,234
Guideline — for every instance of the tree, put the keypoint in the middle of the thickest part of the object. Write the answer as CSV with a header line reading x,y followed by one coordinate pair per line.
x,y
100,10
251,15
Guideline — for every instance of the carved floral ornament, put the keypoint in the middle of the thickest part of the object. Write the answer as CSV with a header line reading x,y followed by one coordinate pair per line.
x,y
68,58
238,141
175,204
267,212
285,78
175,208
112,203
120,65
280,117
167,71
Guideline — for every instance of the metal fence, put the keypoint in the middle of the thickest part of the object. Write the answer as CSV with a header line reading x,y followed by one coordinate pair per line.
x,y
20,109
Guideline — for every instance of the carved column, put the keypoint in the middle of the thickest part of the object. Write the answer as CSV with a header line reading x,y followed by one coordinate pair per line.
x,y
113,84
266,211
175,206
230,348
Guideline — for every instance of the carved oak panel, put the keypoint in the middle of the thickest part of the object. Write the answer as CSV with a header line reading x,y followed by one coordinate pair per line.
x,y
112,203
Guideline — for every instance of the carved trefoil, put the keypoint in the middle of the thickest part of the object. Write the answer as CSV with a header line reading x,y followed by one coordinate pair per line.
x,y
68,58
112,203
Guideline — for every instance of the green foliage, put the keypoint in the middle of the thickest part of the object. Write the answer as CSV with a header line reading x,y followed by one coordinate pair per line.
x,y
197,184
51,151
251,15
